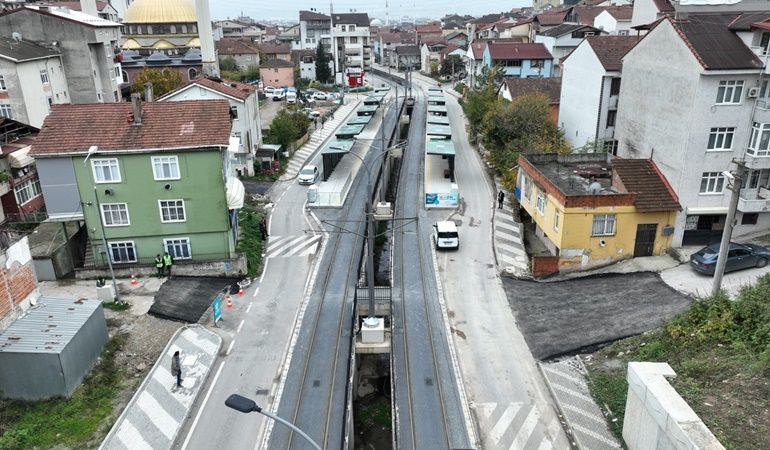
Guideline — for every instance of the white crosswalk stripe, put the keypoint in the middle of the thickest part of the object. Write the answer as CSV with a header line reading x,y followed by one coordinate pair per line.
x,y
286,246
512,426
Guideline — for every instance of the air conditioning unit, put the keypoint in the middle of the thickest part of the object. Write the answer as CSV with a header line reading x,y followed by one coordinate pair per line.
x,y
753,92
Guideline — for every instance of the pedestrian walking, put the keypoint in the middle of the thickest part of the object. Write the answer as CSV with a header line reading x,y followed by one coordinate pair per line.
x,y
176,368
323,120
500,198
315,122
159,265
263,228
168,261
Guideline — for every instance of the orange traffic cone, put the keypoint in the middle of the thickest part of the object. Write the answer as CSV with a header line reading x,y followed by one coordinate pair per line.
x,y
133,280
229,302
240,291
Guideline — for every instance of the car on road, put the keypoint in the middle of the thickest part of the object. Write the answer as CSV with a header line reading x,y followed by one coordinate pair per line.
x,y
278,95
320,95
445,235
308,175
311,113
268,90
739,256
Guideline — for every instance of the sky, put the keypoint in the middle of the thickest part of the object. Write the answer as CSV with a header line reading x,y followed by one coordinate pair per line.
x,y
266,11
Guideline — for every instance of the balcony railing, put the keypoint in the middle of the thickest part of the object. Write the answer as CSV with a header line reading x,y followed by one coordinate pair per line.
x,y
750,202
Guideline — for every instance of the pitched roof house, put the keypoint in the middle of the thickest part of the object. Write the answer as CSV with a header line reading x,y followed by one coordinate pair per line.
x,y
511,88
519,60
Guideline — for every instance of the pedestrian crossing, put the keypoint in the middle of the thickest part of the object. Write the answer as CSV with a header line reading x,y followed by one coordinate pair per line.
x,y
516,426
288,246
317,139
509,244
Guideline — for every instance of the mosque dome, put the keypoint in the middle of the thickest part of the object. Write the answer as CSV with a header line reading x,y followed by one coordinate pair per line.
x,y
160,11
376,23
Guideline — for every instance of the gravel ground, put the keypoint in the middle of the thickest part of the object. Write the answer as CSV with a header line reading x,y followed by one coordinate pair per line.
x,y
557,318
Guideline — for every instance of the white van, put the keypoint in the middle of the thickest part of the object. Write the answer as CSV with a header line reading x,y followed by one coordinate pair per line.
x,y
445,235
291,98
308,175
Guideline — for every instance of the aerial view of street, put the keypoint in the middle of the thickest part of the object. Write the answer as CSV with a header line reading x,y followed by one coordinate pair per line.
x,y
540,225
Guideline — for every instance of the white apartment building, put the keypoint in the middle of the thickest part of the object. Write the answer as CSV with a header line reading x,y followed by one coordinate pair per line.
x,y
314,27
352,50
694,97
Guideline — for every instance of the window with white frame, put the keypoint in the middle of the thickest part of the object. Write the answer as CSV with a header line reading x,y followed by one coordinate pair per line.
x,y
123,252
234,112
712,183
178,248
730,92
106,170
2,83
165,168
352,28
721,138
171,210
115,214
556,218
26,191
528,189
604,225
753,178
5,111
542,202
759,143
44,76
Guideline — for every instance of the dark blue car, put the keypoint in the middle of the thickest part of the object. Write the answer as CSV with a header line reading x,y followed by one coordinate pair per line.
x,y
739,256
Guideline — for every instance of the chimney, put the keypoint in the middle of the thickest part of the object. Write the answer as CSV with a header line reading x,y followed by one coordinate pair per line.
x,y
136,101
89,7
148,92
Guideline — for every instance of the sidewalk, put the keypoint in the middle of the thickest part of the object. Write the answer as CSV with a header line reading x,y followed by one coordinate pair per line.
x,y
158,409
511,255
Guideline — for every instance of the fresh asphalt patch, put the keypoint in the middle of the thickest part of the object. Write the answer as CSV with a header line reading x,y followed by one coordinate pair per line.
x,y
257,186
187,299
562,317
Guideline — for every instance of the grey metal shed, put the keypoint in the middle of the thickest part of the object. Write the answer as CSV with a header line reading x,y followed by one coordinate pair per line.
x,y
48,351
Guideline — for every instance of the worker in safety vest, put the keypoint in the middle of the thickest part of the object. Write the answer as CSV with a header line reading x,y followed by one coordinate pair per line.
x,y
168,262
159,265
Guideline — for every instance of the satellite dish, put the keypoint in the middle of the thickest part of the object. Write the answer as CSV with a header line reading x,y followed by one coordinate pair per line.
x,y
16,36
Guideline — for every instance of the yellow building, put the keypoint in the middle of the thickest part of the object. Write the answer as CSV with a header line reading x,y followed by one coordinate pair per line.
x,y
594,209
167,26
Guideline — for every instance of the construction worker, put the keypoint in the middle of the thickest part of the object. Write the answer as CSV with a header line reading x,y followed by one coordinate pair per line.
x,y
159,265
168,262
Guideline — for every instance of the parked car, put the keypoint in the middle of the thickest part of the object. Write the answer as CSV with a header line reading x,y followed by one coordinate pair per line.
x,y
311,113
320,95
278,95
739,256
445,235
291,98
268,90
308,175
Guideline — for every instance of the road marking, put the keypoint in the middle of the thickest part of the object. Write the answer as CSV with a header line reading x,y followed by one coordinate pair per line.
x,y
230,347
255,294
264,271
203,407
248,308
503,423
240,326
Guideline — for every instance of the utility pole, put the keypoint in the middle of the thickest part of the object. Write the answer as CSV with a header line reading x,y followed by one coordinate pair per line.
x,y
727,233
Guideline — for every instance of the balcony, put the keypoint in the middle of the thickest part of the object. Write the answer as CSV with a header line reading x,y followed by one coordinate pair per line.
x,y
318,26
757,162
751,201
613,103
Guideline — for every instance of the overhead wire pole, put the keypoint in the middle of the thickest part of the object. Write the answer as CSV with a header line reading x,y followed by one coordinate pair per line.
x,y
727,233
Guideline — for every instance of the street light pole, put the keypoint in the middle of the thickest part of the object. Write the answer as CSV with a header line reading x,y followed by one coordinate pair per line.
x,y
91,150
245,405
727,233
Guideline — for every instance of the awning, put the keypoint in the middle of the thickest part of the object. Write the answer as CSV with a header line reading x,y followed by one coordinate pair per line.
x,y
235,193
706,211
20,158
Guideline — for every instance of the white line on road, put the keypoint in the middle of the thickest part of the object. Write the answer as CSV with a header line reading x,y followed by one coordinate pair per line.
x,y
240,326
264,271
203,406
230,347
256,290
248,308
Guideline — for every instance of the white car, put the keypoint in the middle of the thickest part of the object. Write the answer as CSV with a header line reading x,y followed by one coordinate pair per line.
x,y
268,90
278,95
445,235
320,95
308,175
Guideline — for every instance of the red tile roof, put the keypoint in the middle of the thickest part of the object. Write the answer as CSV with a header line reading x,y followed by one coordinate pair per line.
x,y
642,177
235,46
519,87
234,89
510,50
551,18
275,49
191,124
621,12
611,49
478,49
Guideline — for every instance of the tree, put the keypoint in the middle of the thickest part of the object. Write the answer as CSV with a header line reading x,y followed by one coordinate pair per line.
x,y
287,127
322,70
452,64
252,74
476,105
163,80
490,76
228,64
433,68
523,125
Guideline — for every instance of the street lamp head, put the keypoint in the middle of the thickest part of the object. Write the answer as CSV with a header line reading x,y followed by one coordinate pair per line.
x,y
92,149
242,404
728,175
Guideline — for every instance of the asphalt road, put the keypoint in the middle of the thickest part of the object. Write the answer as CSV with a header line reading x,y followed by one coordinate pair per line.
x,y
561,317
